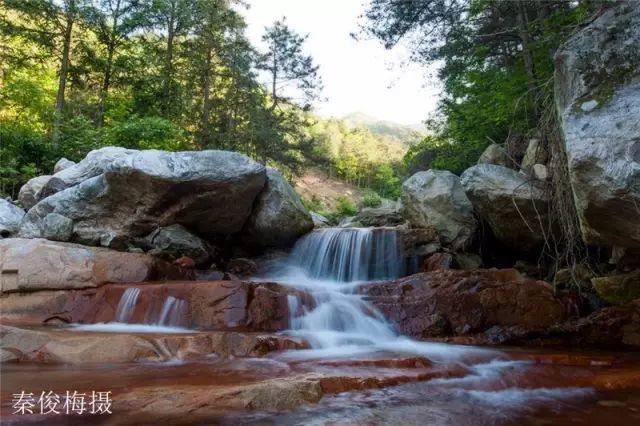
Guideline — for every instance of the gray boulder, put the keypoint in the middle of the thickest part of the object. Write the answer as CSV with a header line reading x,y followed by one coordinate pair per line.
x,y
516,208
210,192
435,198
535,155
279,217
10,218
175,241
29,194
495,154
349,222
388,213
319,221
62,164
94,164
597,87
57,227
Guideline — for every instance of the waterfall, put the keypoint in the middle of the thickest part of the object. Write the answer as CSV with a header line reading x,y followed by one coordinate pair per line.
x,y
349,254
173,313
326,267
127,303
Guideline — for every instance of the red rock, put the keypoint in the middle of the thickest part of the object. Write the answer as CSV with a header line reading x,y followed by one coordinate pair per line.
x,y
242,267
437,261
185,262
47,345
211,305
611,327
458,302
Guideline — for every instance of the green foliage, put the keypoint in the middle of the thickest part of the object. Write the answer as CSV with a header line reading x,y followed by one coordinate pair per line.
x,y
371,199
497,67
167,74
344,207
145,133
358,156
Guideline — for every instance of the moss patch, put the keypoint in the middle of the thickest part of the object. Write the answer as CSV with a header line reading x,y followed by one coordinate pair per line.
x,y
618,289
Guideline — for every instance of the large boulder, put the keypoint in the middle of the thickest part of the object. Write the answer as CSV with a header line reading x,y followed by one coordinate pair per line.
x,y
618,289
435,198
29,194
175,241
611,327
495,154
279,217
597,91
37,264
515,208
115,195
94,164
10,218
62,164
319,221
455,302
388,213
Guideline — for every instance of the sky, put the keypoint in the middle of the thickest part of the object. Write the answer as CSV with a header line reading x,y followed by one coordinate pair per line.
x,y
358,75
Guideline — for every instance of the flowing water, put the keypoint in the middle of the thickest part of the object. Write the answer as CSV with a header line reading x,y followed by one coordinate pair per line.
x,y
124,311
328,265
349,340
170,318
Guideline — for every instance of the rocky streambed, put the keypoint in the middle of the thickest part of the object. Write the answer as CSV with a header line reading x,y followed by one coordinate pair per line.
x,y
272,386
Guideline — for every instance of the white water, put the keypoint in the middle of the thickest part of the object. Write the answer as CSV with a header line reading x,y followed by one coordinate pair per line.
x,y
329,264
174,312
118,327
127,303
171,318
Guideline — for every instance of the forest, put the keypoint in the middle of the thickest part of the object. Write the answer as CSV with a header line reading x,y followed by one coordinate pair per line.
x,y
181,75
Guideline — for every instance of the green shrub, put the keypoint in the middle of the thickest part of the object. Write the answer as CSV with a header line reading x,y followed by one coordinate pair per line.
x,y
344,207
145,133
371,199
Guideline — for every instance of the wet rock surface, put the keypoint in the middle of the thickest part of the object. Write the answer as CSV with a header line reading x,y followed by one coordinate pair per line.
x,y
211,305
68,346
466,302
520,387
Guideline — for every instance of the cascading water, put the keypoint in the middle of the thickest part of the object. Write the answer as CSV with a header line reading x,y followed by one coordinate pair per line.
x,y
127,303
173,312
171,317
349,255
328,265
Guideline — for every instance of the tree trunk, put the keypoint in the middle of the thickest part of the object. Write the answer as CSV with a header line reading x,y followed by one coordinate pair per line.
x,y
64,69
168,67
206,87
274,82
106,82
527,56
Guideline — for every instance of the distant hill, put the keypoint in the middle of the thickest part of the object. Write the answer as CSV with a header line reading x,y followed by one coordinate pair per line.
x,y
406,135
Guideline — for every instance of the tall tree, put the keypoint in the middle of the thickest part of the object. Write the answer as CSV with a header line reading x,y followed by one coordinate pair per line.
x,y
113,21
173,19
50,24
288,65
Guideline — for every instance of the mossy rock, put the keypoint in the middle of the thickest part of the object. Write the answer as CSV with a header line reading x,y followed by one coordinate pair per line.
x,y
618,289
